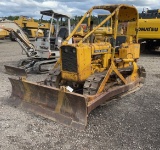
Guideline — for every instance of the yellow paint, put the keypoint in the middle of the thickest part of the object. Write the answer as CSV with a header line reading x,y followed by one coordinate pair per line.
x,y
146,28
129,51
61,96
110,70
27,94
134,74
63,103
30,24
3,33
100,56
87,64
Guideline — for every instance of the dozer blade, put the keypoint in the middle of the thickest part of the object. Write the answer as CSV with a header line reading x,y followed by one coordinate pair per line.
x,y
69,108
52,103
15,71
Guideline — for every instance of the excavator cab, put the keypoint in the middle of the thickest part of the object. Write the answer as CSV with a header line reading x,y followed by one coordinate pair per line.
x,y
48,46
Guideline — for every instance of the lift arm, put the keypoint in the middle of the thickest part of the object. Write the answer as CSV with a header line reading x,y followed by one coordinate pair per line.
x,y
20,36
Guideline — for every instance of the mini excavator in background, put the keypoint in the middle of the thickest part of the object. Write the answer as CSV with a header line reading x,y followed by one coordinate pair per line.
x,y
45,51
88,72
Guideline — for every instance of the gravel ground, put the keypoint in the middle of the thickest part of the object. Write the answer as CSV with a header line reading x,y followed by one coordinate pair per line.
x,y
130,122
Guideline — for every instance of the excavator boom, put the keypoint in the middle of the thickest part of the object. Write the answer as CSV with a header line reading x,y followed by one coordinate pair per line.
x,y
23,41
21,38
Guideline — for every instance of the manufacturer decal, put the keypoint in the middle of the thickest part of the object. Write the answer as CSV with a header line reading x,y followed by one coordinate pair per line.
x,y
101,51
148,29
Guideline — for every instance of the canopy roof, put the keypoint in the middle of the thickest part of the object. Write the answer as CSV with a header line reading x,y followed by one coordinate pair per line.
x,y
51,12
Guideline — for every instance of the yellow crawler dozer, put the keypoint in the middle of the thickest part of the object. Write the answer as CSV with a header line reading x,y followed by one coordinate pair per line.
x,y
88,72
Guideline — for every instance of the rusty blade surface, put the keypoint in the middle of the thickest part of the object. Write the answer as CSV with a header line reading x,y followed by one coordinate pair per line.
x,y
15,71
52,103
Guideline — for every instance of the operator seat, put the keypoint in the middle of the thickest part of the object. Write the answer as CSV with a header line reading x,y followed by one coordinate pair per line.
x,y
61,36
63,32
119,40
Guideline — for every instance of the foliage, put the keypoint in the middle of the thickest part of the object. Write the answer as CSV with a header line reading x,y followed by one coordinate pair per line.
x,y
74,20
12,17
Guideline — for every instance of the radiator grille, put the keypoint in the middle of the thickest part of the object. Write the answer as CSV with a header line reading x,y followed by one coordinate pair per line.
x,y
69,58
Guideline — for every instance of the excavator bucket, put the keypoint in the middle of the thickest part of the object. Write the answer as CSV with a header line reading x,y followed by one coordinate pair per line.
x,y
15,71
57,105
